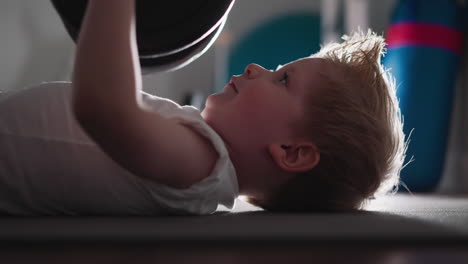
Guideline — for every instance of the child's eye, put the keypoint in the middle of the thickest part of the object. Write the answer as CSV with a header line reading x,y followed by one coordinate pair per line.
x,y
285,78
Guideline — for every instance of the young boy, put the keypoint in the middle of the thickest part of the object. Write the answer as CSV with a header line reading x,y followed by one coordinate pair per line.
x,y
319,134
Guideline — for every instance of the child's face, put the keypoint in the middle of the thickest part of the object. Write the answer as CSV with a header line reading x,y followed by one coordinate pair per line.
x,y
261,107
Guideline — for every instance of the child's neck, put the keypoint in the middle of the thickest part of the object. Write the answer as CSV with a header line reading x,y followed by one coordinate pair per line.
x,y
255,170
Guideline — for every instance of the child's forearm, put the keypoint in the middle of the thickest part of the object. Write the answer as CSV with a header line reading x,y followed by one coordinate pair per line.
x,y
106,84
106,76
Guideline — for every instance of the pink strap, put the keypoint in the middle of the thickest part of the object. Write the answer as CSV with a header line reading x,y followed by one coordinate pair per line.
x,y
424,34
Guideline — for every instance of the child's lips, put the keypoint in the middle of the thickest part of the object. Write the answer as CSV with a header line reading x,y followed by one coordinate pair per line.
x,y
233,85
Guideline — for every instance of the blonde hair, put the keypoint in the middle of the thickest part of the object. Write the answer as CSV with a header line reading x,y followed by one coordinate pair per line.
x,y
356,124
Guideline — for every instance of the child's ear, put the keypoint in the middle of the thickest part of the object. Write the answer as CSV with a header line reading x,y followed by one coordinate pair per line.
x,y
296,157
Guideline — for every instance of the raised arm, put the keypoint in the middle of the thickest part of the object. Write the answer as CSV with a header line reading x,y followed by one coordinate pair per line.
x,y
106,67
107,103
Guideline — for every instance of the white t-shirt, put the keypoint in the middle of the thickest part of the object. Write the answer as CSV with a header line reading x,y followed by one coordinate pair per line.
x,y
48,165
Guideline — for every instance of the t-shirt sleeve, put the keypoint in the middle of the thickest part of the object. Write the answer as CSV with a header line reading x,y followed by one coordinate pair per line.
x,y
219,188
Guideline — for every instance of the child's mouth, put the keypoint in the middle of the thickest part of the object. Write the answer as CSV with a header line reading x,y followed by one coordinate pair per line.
x,y
233,85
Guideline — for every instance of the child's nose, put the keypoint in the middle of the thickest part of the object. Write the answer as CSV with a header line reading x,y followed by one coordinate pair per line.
x,y
252,71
